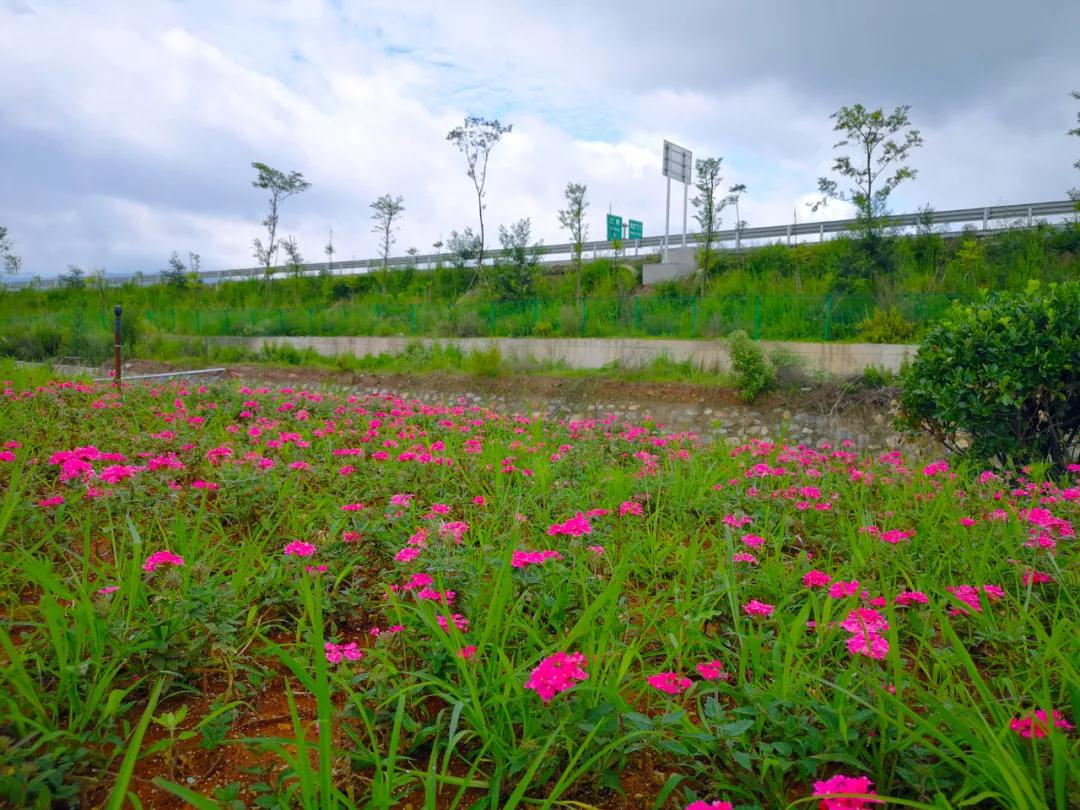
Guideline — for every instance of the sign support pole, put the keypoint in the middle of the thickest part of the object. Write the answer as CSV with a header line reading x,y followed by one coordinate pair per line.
x,y
685,194
667,218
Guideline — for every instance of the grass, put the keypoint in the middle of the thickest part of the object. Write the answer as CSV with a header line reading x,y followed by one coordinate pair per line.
x,y
169,673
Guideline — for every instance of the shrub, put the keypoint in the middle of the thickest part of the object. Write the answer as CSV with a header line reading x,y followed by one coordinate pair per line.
x,y
886,326
1006,372
484,362
753,373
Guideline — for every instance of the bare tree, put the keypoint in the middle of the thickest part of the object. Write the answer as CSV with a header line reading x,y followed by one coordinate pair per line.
x,y
871,133
476,138
387,209
281,186
572,219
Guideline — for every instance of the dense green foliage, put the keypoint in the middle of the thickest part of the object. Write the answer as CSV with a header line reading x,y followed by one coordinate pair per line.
x,y
886,289
1005,372
753,374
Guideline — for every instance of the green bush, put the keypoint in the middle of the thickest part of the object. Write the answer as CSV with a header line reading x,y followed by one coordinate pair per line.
x,y
754,375
886,326
1005,372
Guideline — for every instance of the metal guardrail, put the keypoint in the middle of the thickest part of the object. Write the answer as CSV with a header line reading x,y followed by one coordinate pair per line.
x,y
1026,213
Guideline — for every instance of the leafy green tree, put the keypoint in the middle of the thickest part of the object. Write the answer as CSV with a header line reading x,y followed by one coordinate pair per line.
x,y
281,186
1075,193
881,143
517,269
294,262
708,204
73,279
387,209
572,219
463,247
175,275
12,262
734,193
476,138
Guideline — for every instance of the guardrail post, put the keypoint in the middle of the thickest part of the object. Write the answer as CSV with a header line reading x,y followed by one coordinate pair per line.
x,y
1029,216
789,235
637,247
821,232
986,218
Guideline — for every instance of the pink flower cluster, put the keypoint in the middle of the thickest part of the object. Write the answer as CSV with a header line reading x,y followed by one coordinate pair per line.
x,y
671,683
699,805
574,527
336,653
556,674
969,595
712,671
160,558
1037,724
522,558
298,548
756,608
828,789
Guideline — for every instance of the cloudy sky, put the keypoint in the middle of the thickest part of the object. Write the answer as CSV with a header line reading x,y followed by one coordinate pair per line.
x,y
127,129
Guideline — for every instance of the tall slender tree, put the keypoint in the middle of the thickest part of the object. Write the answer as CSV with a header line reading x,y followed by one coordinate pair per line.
x,y
572,219
881,143
476,138
709,203
1075,193
12,262
734,193
386,210
281,186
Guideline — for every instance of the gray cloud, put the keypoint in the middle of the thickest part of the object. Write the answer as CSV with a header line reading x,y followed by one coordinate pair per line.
x,y
125,137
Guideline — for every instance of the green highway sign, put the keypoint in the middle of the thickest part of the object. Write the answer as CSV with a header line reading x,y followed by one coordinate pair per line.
x,y
637,230
614,227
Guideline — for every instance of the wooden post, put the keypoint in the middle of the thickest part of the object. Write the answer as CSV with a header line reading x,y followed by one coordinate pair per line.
x,y
116,344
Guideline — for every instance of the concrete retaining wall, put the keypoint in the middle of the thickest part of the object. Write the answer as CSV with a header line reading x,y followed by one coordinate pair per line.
x,y
832,358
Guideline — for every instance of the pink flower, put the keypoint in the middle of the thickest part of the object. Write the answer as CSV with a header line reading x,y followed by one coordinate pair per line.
x,y
107,590
905,598
522,558
597,550
1037,724
756,608
869,644
56,500
894,536
930,470
630,508
969,595
712,671
671,683
753,540
352,507
460,622
160,558
699,805
407,554
298,548
207,485
335,653
1033,577
742,556
479,500
863,619
816,579
841,784
841,589
574,527
557,673
465,653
